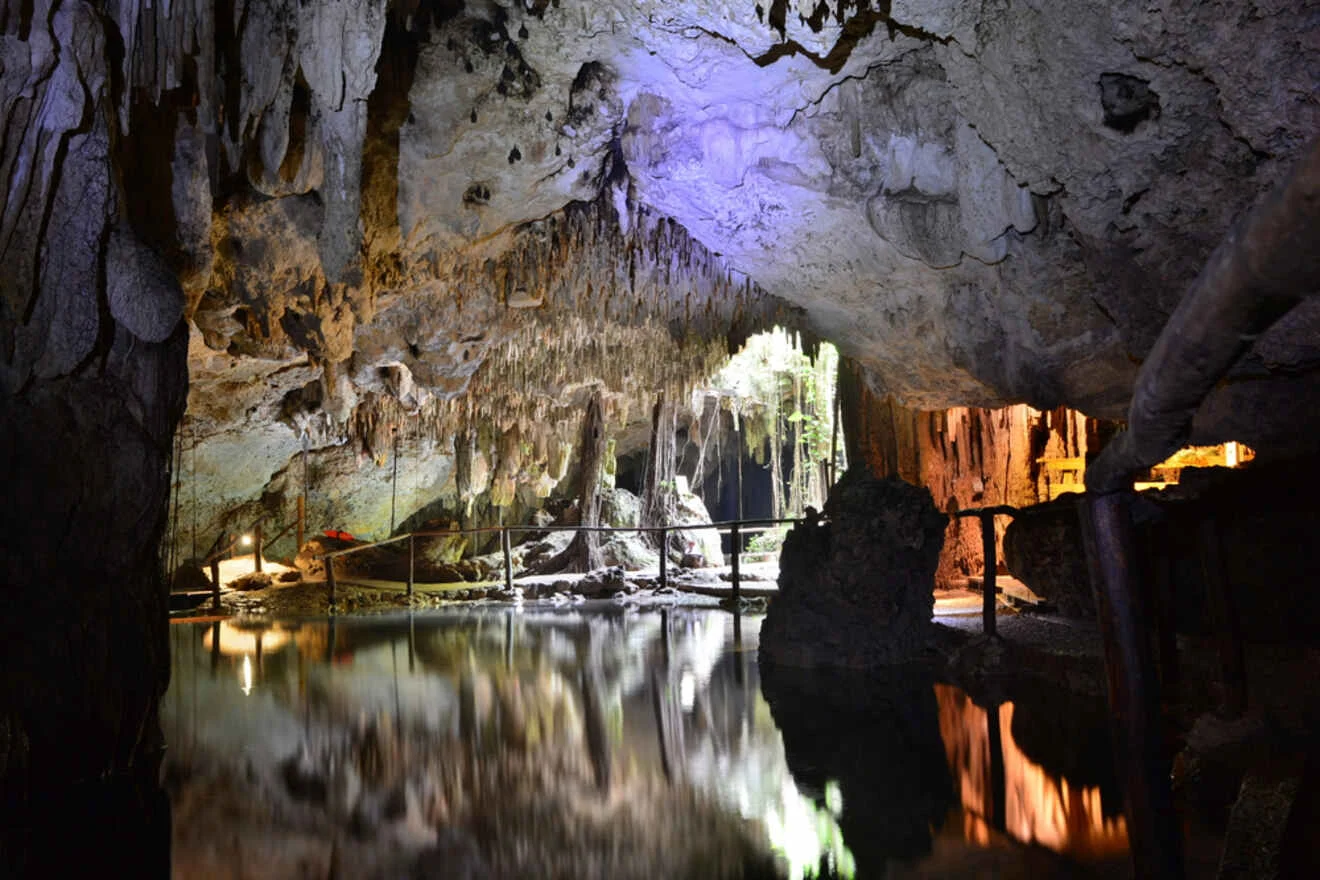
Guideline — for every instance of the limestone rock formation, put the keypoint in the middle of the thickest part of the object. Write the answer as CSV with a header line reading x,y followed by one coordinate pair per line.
x,y
1043,549
1242,514
92,384
463,215
978,204
857,590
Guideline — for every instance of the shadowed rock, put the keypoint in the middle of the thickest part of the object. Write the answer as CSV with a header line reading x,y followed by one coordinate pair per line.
x,y
857,589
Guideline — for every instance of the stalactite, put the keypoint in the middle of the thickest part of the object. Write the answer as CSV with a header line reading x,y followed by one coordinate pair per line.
x,y
638,313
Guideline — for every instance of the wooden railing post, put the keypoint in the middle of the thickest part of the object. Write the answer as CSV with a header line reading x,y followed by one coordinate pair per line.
x,y
330,578
664,556
215,584
302,523
988,582
256,548
412,557
508,557
412,642
733,568
215,647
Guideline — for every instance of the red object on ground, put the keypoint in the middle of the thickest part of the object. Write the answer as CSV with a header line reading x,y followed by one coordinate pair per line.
x,y
341,536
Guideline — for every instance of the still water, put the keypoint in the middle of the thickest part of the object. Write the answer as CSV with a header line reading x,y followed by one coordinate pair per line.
x,y
604,742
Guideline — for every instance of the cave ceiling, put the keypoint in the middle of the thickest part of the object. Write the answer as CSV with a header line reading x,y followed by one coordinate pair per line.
x,y
424,205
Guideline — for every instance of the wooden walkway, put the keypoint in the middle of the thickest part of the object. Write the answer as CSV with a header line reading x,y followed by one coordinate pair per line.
x,y
736,529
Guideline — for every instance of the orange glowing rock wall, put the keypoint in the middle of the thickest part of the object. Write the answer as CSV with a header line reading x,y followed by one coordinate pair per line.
x,y
968,457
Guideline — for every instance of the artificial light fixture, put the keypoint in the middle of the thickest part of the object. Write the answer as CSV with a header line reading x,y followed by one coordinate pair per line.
x,y
246,540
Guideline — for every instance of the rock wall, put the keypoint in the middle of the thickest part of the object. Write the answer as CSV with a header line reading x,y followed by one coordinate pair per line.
x,y
1252,519
968,458
980,204
92,382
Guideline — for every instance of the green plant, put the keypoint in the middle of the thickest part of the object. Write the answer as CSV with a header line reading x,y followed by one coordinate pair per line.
x,y
768,542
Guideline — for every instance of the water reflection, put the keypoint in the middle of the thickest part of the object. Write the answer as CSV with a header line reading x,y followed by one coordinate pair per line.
x,y
1027,801
576,743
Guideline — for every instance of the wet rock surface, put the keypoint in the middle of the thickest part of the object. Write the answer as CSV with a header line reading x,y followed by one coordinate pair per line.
x,y
857,589
257,580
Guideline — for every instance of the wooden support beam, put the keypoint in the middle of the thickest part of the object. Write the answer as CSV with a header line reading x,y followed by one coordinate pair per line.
x,y
990,552
256,548
739,673
330,579
508,640
733,567
215,647
1134,692
664,557
302,522
665,655
412,562
412,642
657,704
508,557
215,584
998,806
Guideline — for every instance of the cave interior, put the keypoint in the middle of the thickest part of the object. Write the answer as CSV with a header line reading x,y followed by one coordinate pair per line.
x,y
416,264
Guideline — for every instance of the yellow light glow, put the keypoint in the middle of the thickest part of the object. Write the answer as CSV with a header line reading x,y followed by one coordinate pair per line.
x,y
236,640
246,541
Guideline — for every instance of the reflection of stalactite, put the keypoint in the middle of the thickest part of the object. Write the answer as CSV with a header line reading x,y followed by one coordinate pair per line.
x,y
593,715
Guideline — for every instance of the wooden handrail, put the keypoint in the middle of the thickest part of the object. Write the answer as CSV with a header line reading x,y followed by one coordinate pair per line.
x,y
732,526
281,533
727,525
221,552
218,553
996,510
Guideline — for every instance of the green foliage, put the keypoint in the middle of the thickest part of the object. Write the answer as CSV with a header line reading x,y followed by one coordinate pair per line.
x,y
768,542
784,401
